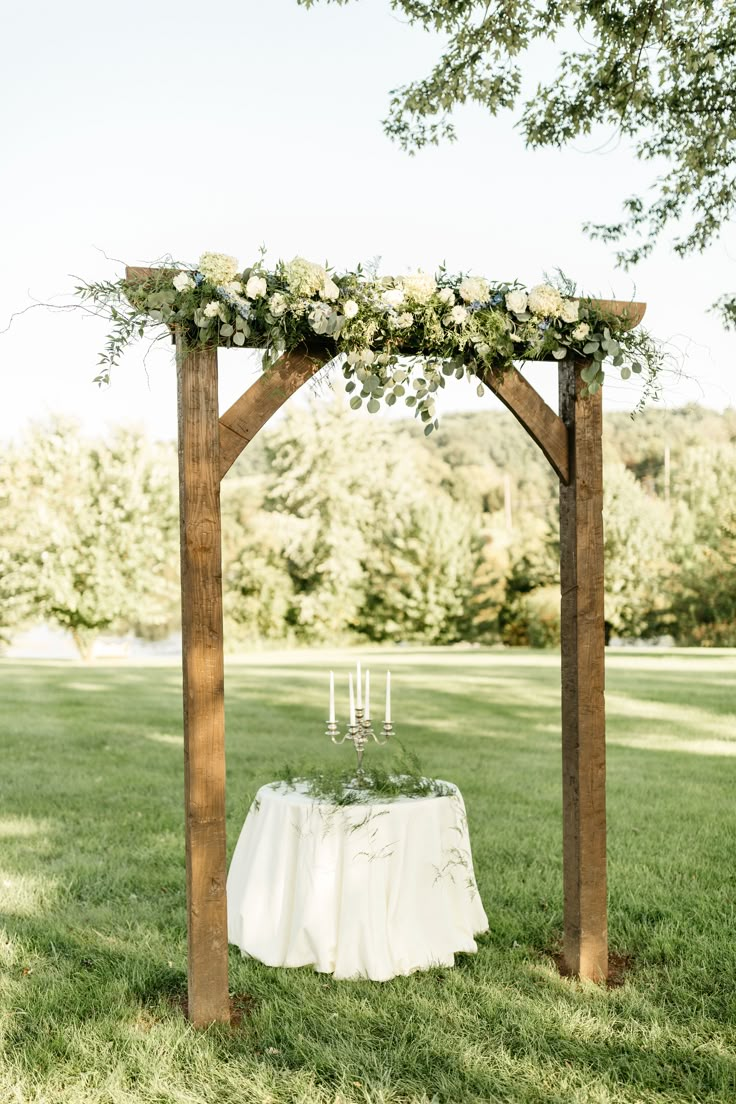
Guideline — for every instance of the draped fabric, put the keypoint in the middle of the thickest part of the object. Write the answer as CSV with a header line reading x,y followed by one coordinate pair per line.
x,y
371,890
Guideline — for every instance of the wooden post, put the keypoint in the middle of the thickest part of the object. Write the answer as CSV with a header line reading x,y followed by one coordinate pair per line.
x,y
583,675
203,670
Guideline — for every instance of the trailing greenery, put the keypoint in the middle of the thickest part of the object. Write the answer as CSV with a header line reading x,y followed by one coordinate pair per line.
x,y
399,337
337,785
93,929
661,74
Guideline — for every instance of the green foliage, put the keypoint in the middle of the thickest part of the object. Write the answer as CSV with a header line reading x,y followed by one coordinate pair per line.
x,y
339,528
399,336
402,776
660,74
95,539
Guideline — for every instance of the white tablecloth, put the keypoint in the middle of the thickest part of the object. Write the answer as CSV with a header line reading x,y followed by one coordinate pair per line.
x,y
370,890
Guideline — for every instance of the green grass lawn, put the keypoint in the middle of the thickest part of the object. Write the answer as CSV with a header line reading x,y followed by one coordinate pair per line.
x,y
93,948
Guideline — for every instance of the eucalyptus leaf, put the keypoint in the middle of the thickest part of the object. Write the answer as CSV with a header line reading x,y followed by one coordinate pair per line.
x,y
355,402
239,339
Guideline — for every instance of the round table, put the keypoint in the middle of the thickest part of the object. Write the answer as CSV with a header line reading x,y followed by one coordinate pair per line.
x,y
373,889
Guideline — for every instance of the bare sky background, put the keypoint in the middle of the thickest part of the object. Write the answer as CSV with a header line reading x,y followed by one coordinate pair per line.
x,y
157,128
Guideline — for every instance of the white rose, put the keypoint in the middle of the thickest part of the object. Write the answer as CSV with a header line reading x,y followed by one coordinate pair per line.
x,y
405,321
447,296
277,304
569,310
419,288
516,301
394,297
183,281
474,289
581,332
545,300
217,268
350,308
234,287
456,316
330,290
213,309
256,287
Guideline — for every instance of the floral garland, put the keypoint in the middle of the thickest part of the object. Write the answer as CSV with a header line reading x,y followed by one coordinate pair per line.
x,y
399,336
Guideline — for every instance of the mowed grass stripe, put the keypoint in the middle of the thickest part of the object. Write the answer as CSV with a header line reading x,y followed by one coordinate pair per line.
x,y
93,950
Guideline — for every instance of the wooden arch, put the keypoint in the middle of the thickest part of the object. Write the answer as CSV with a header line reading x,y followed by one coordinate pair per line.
x,y
209,444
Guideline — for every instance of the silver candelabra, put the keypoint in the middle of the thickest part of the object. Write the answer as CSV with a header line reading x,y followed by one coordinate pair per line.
x,y
359,734
360,727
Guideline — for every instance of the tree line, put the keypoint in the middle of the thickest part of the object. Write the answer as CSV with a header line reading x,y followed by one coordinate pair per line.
x,y
339,528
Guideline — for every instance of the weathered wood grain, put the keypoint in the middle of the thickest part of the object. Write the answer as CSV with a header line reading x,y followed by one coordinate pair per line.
x,y
583,678
203,670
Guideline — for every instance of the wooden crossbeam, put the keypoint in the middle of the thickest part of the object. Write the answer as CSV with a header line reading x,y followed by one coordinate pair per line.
x,y
208,446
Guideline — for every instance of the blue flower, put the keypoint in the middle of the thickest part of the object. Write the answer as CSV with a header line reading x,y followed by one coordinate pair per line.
x,y
476,305
544,326
496,298
198,278
239,305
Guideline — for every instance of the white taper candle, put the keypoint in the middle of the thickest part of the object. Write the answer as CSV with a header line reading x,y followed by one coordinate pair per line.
x,y
360,689
352,701
388,697
332,697
367,695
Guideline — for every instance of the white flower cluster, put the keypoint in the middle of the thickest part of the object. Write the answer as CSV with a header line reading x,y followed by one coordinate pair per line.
x,y
466,318
217,268
474,289
544,301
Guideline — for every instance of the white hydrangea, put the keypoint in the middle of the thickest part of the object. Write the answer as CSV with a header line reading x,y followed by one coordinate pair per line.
x,y
419,288
517,301
350,308
213,309
581,332
394,297
218,268
474,289
256,287
545,300
330,290
183,281
456,316
405,321
304,277
277,304
569,310
447,296
234,287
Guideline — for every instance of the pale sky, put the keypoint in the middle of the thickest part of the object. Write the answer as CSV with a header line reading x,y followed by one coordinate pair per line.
x,y
154,128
